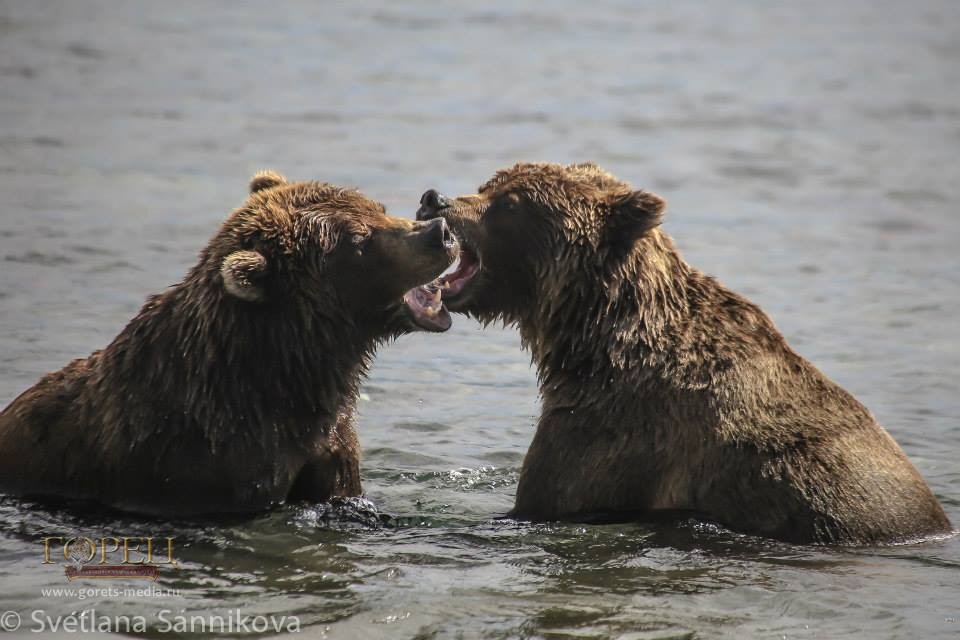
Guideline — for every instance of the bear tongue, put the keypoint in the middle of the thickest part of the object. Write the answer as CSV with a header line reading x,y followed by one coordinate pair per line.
x,y
426,308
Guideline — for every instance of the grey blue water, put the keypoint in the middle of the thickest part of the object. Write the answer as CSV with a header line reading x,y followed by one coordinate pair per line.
x,y
809,155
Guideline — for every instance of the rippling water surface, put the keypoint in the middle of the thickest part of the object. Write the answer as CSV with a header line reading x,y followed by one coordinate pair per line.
x,y
809,152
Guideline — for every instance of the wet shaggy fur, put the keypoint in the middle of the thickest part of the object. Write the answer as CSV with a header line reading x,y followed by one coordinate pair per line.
x,y
233,390
662,389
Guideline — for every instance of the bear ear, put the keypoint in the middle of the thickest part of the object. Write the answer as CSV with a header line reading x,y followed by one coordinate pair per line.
x,y
634,214
243,273
266,180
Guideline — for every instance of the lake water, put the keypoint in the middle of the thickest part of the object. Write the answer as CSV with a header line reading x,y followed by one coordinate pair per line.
x,y
809,153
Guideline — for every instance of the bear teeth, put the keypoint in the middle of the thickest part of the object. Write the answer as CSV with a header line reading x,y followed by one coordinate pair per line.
x,y
427,298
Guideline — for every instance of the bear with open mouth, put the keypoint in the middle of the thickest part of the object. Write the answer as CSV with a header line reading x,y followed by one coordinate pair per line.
x,y
661,389
234,390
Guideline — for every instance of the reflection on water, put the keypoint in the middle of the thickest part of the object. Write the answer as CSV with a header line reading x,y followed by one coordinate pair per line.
x,y
808,153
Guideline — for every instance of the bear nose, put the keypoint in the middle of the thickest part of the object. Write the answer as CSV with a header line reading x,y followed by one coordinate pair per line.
x,y
438,233
431,202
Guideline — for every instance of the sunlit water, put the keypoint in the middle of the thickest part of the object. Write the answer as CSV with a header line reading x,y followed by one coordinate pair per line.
x,y
808,152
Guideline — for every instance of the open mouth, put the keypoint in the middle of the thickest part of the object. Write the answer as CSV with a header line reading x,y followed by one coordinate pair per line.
x,y
426,309
460,273
426,302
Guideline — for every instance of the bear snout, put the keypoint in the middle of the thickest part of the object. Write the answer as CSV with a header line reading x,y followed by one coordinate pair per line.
x,y
431,202
438,234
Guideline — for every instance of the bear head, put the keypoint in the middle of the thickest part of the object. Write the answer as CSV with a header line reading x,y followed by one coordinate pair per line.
x,y
331,250
536,232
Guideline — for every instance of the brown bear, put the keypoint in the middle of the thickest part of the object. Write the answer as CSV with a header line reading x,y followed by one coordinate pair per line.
x,y
234,390
661,389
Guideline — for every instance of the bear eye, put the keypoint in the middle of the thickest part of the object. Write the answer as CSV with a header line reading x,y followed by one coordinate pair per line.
x,y
505,205
510,201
